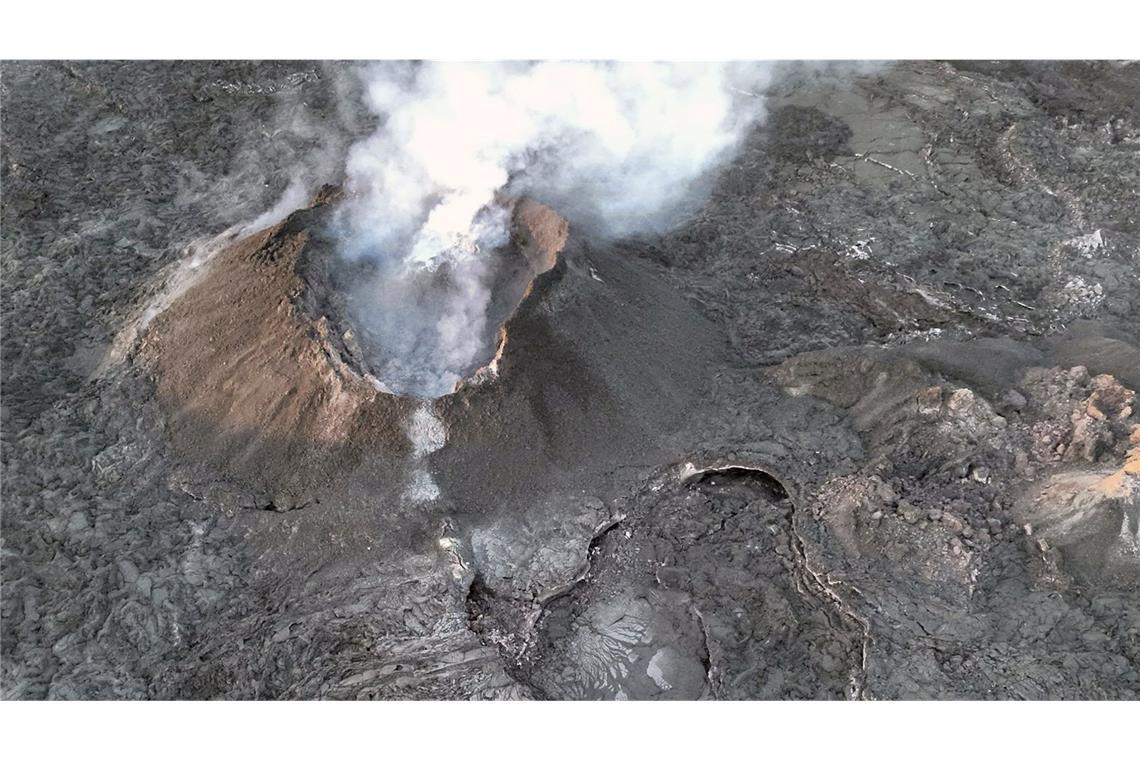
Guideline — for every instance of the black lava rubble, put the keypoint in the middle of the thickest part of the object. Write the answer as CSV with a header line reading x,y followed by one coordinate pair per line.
x,y
864,427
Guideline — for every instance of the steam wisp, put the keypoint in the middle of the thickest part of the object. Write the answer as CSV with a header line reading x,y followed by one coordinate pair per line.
x,y
615,148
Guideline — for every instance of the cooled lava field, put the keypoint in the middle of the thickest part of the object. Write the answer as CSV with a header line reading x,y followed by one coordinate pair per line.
x,y
860,424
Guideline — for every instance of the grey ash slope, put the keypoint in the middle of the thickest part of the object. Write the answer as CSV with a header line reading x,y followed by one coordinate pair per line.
x,y
790,450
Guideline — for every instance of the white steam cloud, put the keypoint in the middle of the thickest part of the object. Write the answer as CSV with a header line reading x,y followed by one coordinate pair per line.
x,y
614,147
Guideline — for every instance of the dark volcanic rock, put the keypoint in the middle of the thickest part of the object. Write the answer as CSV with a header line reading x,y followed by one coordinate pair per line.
x,y
863,426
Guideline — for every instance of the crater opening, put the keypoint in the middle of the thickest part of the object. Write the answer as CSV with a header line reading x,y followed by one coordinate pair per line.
x,y
424,331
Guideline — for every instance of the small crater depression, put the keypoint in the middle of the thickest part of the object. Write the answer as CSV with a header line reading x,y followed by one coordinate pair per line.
x,y
424,330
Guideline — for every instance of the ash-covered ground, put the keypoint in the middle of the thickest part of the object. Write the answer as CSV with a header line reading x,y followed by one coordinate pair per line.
x,y
863,427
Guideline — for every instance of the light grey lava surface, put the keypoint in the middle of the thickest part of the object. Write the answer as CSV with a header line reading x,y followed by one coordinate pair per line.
x,y
864,427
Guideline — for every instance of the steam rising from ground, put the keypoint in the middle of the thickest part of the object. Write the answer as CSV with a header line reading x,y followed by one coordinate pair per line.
x,y
615,148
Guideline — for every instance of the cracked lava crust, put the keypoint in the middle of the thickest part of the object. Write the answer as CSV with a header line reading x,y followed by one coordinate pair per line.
x,y
864,426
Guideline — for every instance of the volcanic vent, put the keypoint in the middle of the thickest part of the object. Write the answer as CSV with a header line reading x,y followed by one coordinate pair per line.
x,y
275,362
425,329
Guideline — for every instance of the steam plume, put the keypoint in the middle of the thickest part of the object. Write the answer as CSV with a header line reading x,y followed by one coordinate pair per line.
x,y
613,147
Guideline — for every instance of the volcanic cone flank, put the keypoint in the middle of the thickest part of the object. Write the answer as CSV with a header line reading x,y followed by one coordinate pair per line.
x,y
260,366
